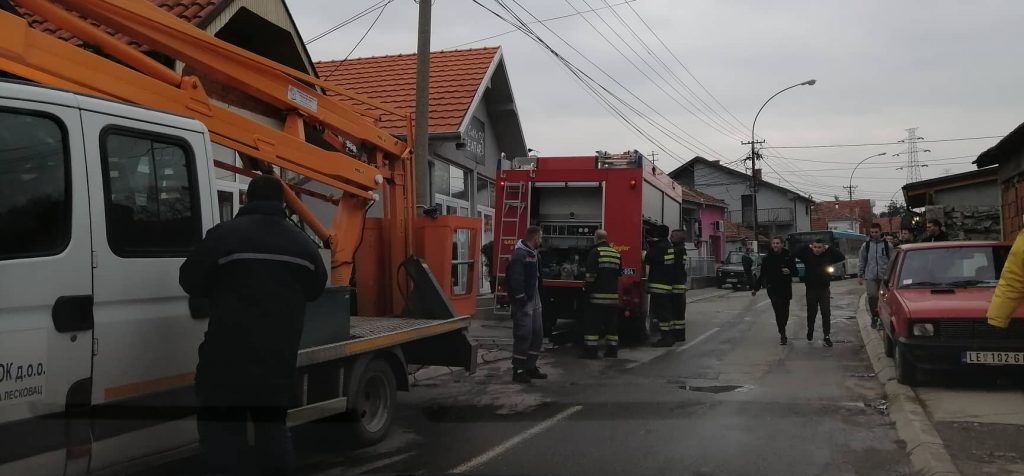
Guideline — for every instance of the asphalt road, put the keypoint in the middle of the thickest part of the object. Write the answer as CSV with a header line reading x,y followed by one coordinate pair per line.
x,y
730,400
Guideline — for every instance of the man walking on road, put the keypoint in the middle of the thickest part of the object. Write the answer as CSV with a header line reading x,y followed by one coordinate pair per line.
x,y
777,271
660,260
257,272
748,268
679,286
873,268
604,266
523,281
933,232
818,261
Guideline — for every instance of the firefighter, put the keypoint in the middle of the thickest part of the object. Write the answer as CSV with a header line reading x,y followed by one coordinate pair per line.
x,y
679,286
604,266
660,260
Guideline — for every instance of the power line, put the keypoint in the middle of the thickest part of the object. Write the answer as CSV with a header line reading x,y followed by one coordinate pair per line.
x,y
828,146
680,62
929,161
593,83
534,22
717,127
688,144
649,78
379,13
589,84
732,127
347,22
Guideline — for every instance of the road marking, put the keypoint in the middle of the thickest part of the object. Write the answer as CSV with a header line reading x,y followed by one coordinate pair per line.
x,y
763,303
695,341
497,450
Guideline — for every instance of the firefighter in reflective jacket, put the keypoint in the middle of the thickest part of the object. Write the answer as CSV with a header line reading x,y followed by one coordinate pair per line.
x,y
679,285
660,260
604,266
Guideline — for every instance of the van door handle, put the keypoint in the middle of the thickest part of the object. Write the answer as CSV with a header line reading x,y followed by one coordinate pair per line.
x,y
72,313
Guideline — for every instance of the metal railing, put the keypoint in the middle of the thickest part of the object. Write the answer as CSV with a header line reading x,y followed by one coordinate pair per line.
x,y
701,266
764,216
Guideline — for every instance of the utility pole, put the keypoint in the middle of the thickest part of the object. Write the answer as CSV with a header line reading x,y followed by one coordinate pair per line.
x,y
421,134
753,178
653,153
850,189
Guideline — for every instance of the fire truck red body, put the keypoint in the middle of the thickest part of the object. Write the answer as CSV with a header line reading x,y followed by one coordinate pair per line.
x,y
570,198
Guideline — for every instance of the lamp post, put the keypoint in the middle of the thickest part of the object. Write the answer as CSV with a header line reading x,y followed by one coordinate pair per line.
x,y
850,188
753,152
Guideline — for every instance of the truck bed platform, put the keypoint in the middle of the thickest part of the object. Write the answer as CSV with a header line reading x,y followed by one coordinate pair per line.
x,y
371,333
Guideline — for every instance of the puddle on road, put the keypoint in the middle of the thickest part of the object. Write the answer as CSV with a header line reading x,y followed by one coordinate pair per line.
x,y
715,389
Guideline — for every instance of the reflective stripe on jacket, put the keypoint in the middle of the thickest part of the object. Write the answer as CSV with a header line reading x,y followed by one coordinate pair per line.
x,y
661,258
604,266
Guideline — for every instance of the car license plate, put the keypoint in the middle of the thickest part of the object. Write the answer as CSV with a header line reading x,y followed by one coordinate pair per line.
x,y
993,358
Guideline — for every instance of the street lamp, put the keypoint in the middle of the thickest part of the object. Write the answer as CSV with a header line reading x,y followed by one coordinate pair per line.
x,y
850,188
753,152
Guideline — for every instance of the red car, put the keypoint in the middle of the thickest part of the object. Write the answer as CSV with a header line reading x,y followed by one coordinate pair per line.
x,y
933,308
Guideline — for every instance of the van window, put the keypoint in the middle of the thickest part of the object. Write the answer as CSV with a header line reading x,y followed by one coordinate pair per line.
x,y
35,193
151,206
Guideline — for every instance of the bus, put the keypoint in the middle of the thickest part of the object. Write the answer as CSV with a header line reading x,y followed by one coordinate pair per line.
x,y
847,242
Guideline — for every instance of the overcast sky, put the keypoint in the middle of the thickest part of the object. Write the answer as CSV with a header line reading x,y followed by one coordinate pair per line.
x,y
947,67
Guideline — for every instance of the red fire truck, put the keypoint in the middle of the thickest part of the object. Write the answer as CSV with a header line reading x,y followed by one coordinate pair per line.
x,y
570,198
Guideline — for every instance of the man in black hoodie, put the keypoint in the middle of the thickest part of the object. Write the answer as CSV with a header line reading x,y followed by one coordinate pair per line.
x,y
257,272
818,261
777,271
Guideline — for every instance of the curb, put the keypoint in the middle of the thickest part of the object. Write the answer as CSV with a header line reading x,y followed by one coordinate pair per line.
x,y
925,448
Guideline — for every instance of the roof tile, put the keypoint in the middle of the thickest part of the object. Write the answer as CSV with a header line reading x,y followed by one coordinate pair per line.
x,y
455,78
192,11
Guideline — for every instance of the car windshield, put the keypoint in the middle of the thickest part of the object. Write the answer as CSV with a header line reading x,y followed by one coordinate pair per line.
x,y
734,258
962,267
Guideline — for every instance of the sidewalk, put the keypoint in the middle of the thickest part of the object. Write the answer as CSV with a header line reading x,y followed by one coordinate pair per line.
x,y
952,426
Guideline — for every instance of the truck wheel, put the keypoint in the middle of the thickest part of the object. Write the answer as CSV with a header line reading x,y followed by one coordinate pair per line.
x,y
372,404
906,371
888,344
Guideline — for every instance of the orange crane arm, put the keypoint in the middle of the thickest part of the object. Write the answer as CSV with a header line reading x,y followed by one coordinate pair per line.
x,y
40,57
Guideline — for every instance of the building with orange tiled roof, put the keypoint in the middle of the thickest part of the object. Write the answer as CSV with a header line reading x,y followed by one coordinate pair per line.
x,y
473,120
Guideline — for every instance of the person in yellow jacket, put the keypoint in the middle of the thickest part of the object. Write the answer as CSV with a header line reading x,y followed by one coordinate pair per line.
x,y
1010,291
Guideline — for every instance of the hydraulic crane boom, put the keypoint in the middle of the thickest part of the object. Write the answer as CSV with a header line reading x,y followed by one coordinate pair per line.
x,y
142,80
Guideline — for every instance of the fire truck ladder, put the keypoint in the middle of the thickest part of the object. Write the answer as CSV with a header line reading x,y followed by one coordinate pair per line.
x,y
514,200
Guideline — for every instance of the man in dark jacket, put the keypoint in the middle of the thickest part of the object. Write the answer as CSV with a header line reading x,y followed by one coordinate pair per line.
x,y
933,232
660,259
523,282
257,272
818,261
679,287
777,271
604,266
492,272
748,268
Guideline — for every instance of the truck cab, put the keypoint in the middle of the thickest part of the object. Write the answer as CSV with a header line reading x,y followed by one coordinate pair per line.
x,y
100,204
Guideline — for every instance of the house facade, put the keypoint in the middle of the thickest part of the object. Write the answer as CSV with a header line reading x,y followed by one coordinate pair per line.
x,y
473,122
780,211
843,215
1008,156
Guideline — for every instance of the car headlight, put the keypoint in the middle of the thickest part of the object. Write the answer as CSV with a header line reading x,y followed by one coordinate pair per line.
x,y
926,330
830,270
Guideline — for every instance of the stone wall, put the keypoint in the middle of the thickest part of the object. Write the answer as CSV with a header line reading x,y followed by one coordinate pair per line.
x,y
967,223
